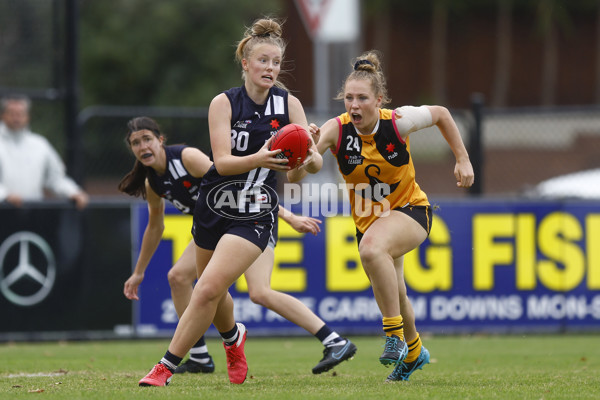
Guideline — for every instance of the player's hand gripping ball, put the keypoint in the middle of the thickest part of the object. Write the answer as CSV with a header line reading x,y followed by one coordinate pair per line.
x,y
294,142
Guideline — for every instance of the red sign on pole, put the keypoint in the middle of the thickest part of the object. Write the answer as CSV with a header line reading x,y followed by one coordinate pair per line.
x,y
311,12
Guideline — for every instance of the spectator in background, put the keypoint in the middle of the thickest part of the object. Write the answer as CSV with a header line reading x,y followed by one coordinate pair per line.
x,y
28,162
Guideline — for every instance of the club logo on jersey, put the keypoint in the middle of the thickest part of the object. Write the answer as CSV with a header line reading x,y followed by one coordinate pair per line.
x,y
275,124
376,189
354,159
390,148
235,200
191,188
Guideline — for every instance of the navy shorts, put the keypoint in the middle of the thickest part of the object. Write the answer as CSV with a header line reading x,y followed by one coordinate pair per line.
x,y
421,214
262,232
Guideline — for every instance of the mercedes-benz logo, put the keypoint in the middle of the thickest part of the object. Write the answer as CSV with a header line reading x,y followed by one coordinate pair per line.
x,y
11,276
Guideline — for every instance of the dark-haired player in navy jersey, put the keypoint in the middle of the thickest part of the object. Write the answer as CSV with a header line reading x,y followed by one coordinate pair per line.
x,y
172,173
234,218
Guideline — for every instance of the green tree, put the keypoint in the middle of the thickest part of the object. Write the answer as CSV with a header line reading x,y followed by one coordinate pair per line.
x,y
175,53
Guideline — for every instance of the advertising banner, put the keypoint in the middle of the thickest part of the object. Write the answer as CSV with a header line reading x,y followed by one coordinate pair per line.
x,y
487,266
62,270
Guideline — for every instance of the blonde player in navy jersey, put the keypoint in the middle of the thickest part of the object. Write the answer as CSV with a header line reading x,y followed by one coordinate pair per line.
x,y
391,213
173,173
234,217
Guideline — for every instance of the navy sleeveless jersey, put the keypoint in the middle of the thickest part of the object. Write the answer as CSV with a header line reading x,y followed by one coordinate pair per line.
x,y
177,185
251,195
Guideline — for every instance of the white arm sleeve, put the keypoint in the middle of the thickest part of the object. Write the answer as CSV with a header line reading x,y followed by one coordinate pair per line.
x,y
412,119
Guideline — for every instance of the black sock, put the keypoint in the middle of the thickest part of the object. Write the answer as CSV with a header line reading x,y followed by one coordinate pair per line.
x,y
170,360
328,336
323,333
231,336
200,342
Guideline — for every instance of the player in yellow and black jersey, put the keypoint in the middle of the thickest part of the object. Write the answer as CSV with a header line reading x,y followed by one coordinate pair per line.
x,y
378,170
391,212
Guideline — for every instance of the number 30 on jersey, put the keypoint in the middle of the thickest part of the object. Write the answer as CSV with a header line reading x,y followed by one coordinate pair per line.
x,y
239,140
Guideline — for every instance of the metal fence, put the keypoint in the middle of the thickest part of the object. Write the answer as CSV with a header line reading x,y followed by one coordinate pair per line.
x,y
523,147
519,147
107,156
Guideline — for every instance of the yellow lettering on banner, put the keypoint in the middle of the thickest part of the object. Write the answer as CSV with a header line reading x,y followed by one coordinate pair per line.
x,y
178,229
289,252
569,253
343,266
286,279
557,232
526,278
241,285
592,224
437,275
487,253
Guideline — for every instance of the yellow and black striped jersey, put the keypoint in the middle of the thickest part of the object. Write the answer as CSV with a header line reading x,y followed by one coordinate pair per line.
x,y
377,168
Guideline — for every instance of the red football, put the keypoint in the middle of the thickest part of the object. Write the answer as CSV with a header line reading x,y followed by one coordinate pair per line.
x,y
294,142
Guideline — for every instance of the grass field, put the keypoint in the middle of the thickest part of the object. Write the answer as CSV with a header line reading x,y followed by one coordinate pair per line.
x,y
474,367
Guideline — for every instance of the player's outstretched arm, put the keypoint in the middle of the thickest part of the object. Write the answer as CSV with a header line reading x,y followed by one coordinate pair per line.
x,y
150,241
463,170
300,223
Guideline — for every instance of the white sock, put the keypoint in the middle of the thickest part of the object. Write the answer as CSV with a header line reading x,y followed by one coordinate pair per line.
x,y
330,340
199,354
